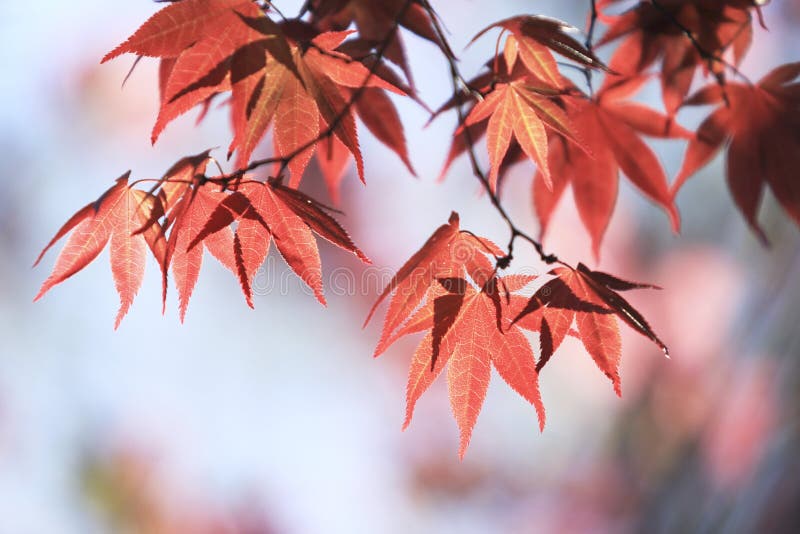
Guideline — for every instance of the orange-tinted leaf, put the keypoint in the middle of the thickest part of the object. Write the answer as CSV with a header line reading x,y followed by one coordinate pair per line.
x,y
531,31
291,234
382,119
176,27
598,331
759,125
609,132
314,215
184,257
333,158
603,286
116,216
515,111
422,265
465,337
651,31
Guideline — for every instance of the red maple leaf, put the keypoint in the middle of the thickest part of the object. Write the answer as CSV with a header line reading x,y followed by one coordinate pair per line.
x,y
268,211
759,124
521,100
301,108
657,30
289,76
196,40
534,37
120,216
445,254
610,129
516,109
375,21
191,214
590,300
468,333
449,288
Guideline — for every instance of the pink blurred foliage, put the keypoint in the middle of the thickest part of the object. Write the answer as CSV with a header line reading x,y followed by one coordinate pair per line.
x,y
97,93
131,491
745,419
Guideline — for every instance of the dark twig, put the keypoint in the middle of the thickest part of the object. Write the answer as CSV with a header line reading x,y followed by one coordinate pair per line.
x,y
590,43
516,232
710,57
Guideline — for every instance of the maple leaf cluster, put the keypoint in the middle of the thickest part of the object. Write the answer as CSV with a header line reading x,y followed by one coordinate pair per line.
x,y
474,320
576,136
181,218
308,80
292,76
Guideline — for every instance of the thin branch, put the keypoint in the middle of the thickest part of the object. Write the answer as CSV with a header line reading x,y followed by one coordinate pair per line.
x,y
592,26
457,81
271,5
590,43
710,57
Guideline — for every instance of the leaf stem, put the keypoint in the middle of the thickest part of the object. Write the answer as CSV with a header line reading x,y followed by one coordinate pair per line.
x,y
587,72
457,82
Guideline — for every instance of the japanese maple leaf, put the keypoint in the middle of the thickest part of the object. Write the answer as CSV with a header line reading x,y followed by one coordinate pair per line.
x,y
610,127
759,125
178,26
238,48
657,30
197,40
209,47
204,70
184,203
522,95
533,40
376,22
190,215
469,335
517,110
502,72
521,98
269,211
447,253
590,300
300,107
333,159
185,173
551,312
379,115
119,216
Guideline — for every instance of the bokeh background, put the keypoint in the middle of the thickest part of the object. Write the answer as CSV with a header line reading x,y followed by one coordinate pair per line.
x,y
278,420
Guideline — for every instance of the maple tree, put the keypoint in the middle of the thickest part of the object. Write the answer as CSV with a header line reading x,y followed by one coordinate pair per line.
x,y
310,79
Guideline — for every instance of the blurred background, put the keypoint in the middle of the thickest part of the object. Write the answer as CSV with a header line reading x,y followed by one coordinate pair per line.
x,y
278,420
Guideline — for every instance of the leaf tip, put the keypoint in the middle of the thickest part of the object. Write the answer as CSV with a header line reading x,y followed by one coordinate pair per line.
x,y
674,218
46,286
407,420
